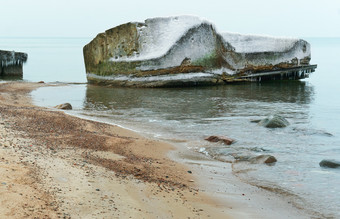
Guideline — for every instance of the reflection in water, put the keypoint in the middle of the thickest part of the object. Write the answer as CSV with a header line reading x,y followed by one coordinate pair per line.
x,y
204,102
194,113
191,114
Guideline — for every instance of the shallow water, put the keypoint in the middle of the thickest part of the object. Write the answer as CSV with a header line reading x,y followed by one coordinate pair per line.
x,y
50,59
194,113
191,114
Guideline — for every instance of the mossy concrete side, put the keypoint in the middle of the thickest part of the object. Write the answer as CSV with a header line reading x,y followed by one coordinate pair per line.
x,y
114,43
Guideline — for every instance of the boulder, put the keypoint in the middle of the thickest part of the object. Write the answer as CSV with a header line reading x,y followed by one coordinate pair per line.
x,y
64,106
330,163
274,121
225,140
267,159
188,51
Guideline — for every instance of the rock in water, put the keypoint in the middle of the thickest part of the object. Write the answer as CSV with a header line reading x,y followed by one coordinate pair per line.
x,y
225,140
274,121
64,106
330,163
185,51
267,159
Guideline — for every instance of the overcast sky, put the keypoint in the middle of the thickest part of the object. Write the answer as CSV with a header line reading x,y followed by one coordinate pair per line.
x,y
85,18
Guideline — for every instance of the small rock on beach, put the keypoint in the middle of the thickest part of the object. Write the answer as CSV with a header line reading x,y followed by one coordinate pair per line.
x,y
64,106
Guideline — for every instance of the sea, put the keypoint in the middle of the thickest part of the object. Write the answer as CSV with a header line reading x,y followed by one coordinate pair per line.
x,y
185,116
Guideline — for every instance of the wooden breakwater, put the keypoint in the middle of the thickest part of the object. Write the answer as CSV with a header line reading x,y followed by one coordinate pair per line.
x,y
11,63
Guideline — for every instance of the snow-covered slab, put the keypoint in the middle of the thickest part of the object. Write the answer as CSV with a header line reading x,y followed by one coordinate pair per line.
x,y
178,45
246,43
158,35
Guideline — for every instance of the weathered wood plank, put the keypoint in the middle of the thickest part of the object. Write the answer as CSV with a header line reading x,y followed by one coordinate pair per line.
x,y
296,72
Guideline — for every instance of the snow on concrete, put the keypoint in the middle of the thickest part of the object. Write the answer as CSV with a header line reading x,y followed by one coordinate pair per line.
x,y
268,50
164,42
246,43
8,58
176,77
158,35
195,46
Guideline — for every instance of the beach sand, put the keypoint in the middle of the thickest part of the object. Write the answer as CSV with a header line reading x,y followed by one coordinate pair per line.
x,y
53,165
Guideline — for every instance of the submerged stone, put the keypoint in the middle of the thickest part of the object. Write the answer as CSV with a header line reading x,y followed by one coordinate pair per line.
x,y
274,121
189,51
330,163
225,140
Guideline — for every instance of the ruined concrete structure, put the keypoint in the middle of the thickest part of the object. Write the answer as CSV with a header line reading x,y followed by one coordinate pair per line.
x,y
189,51
11,63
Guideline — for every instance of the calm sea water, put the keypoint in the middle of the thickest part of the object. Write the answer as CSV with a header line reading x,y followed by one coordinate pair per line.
x,y
50,59
312,106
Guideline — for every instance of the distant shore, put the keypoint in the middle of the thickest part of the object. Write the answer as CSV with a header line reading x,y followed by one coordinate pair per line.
x,y
54,165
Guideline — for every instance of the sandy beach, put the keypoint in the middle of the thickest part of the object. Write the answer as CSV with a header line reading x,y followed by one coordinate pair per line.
x,y
57,166
54,165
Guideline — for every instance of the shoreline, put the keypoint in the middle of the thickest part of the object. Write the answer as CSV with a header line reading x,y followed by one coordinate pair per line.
x,y
240,198
211,191
67,167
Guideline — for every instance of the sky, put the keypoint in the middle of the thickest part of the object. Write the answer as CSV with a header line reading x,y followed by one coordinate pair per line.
x,y
87,18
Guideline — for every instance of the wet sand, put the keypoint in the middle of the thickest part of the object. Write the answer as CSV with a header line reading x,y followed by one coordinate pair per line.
x,y
53,165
